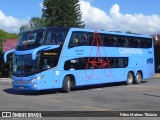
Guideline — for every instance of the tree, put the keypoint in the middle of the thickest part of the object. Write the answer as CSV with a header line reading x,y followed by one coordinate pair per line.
x,y
3,34
24,28
62,13
34,23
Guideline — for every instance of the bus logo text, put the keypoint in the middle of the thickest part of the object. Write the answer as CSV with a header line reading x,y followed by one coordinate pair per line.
x,y
130,51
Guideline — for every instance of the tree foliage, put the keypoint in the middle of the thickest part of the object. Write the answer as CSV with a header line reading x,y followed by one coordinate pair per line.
x,y
62,13
35,22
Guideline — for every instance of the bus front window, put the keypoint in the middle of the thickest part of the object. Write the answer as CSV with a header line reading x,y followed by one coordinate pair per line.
x,y
24,66
30,40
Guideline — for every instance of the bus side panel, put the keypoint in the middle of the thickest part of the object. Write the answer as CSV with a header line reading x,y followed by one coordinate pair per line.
x,y
138,64
93,76
81,78
119,74
150,67
47,79
108,75
56,79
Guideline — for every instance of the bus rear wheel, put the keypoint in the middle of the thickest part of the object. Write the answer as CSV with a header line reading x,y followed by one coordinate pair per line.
x,y
130,78
138,78
66,84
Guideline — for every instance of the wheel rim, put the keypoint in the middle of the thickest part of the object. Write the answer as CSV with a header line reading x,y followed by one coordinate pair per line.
x,y
138,78
68,85
130,79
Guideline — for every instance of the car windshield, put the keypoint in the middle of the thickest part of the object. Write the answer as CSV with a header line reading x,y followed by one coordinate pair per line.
x,y
30,39
23,65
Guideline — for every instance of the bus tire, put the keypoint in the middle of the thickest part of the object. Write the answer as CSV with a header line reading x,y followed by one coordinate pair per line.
x,y
66,84
138,78
130,79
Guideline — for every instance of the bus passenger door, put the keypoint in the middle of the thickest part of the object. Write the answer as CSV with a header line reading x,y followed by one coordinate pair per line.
x,y
46,65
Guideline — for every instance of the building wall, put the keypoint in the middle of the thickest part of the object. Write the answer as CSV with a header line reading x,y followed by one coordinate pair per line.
x,y
157,51
9,44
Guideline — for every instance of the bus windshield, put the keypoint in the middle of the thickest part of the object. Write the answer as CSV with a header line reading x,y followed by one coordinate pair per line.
x,y
24,65
55,35
30,39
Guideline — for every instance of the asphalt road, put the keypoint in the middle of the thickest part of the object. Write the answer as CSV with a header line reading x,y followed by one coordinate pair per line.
x,y
108,97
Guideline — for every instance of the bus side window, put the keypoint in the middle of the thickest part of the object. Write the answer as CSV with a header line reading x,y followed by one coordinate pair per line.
x,y
73,41
111,62
39,38
91,41
72,64
126,42
142,43
125,62
45,64
121,62
82,63
53,39
131,42
47,41
67,65
82,40
109,41
121,42
48,62
148,43
136,42
59,39
78,39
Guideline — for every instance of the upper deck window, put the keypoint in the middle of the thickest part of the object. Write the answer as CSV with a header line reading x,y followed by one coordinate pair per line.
x,y
78,39
109,40
81,38
55,35
30,40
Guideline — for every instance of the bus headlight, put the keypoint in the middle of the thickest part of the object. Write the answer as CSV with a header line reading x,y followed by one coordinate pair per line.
x,y
36,79
35,85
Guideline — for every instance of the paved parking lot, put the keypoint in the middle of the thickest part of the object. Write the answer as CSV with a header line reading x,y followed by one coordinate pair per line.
x,y
108,97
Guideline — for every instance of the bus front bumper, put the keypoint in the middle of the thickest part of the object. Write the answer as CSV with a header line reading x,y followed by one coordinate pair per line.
x,y
26,83
31,86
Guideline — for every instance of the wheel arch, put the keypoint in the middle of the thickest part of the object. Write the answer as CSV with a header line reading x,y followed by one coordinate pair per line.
x,y
140,71
72,78
131,72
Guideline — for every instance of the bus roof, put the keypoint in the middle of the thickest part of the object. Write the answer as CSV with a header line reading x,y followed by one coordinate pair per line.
x,y
112,33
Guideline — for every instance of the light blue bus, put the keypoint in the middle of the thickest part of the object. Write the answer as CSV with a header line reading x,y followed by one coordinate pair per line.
x,y
61,57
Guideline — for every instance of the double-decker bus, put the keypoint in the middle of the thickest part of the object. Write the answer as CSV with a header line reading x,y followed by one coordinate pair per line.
x,y
61,57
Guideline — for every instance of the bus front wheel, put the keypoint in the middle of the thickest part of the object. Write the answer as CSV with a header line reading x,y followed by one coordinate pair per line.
x,y
66,84
138,78
130,78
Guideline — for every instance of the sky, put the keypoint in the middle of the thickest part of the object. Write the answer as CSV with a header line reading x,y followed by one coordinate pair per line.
x,y
139,16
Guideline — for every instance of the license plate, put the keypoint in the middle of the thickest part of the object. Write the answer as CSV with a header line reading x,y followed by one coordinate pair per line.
x,y
21,88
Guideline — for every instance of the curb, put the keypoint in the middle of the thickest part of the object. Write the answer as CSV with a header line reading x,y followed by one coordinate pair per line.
x,y
5,80
157,75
